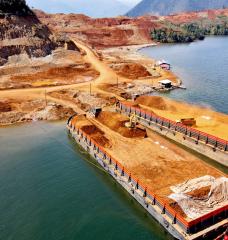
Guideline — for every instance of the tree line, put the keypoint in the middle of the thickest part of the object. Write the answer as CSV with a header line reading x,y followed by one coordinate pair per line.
x,y
189,32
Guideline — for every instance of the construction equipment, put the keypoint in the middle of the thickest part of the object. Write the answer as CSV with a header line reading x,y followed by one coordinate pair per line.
x,y
133,121
187,122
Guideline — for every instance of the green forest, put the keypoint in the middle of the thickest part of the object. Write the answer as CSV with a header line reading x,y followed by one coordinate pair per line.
x,y
189,32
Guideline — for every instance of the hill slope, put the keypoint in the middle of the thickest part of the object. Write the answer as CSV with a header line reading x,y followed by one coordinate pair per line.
x,y
92,8
15,7
22,32
166,7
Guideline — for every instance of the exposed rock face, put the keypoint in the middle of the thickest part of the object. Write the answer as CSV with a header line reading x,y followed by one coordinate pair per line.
x,y
13,111
62,67
121,31
101,32
22,32
24,35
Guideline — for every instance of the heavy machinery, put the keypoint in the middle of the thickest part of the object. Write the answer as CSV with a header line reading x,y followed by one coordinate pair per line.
x,y
187,122
133,121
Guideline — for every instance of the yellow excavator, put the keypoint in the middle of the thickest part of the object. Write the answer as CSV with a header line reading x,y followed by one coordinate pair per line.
x,y
133,121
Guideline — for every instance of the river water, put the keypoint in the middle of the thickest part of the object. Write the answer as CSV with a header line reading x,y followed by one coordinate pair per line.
x,y
49,190
203,67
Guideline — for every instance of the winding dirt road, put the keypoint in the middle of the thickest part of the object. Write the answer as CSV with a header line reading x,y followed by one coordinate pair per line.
x,y
107,75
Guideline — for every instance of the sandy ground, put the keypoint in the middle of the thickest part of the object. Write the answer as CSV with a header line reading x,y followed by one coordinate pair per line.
x,y
13,110
207,120
130,54
62,67
158,163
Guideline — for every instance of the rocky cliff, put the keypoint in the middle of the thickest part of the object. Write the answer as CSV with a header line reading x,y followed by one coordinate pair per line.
x,y
101,32
123,31
22,32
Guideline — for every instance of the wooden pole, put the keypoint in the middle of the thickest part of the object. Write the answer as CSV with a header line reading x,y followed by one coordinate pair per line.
x,y
45,95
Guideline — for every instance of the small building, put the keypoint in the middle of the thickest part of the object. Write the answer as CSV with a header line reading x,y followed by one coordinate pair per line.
x,y
163,64
166,83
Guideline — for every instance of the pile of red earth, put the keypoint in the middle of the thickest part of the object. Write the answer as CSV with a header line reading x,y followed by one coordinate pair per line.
x,y
200,193
5,107
97,135
152,101
61,73
116,122
90,129
131,70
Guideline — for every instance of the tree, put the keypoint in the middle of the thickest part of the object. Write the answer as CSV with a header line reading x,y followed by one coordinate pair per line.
x,y
14,7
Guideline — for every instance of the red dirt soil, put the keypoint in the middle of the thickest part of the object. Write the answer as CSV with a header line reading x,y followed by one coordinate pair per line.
x,y
94,132
61,73
116,122
5,107
132,70
200,193
152,101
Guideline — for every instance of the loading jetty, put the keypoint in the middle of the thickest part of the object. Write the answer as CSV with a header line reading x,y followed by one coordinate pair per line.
x,y
210,146
176,223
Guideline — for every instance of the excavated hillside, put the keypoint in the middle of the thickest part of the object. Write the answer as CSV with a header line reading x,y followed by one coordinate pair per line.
x,y
124,31
101,32
22,32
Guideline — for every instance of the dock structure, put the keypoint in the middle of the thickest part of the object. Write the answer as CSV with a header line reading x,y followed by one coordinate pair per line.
x,y
171,220
163,64
201,142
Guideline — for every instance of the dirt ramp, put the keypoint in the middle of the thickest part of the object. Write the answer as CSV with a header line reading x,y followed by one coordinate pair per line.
x,y
116,122
153,102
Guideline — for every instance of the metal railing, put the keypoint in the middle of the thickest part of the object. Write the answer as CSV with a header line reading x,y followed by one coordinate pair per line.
x,y
198,136
187,226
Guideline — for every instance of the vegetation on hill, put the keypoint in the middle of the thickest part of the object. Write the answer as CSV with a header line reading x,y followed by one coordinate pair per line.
x,y
189,32
14,7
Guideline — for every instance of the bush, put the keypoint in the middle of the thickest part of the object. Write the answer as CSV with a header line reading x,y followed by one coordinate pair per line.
x,y
189,32
14,7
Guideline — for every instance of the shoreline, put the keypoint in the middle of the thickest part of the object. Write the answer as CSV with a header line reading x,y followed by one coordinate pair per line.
x,y
131,53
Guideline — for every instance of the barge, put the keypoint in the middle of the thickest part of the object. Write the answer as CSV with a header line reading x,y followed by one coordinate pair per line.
x,y
201,142
180,228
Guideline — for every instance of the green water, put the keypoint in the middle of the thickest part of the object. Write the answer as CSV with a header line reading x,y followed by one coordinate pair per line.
x,y
203,67
49,192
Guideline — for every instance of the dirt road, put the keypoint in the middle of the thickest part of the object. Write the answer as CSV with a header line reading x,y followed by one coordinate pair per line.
x,y
107,75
